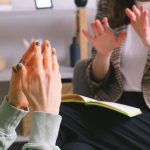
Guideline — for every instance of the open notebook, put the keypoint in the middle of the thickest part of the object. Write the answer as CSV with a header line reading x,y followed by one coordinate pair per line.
x,y
121,108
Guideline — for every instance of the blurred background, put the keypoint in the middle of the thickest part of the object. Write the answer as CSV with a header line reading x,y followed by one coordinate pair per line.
x,y
20,22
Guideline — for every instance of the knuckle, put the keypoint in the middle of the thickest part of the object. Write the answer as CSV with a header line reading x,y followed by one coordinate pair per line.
x,y
48,76
46,59
37,73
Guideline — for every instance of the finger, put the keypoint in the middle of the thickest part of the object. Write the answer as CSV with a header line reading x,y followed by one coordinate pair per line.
x,y
120,38
55,65
99,26
131,15
136,11
47,56
14,76
105,21
94,28
106,25
145,18
38,58
14,69
28,54
30,63
142,9
23,75
14,84
45,43
87,35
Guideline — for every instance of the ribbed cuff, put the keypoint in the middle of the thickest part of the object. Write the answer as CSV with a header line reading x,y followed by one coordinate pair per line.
x,y
10,117
45,128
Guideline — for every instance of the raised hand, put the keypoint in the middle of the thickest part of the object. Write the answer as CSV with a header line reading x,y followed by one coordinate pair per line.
x,y
104,40
15,95
140,23
41,80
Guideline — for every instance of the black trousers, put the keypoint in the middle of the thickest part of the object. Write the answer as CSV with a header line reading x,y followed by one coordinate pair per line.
x,y
77,146
97,128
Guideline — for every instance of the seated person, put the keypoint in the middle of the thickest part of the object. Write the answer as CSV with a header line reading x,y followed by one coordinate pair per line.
x,y
119,72
34,82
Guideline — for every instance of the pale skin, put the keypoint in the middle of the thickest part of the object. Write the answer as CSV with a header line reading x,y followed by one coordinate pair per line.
x,y
40,80
16,96
105,41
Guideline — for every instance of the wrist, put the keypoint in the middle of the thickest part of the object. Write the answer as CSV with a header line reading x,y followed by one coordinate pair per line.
x,y
52,109
146,43
100,66
100,56
11,102
14,104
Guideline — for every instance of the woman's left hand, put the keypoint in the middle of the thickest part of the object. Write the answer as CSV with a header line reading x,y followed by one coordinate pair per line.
x,y
140,22
15,95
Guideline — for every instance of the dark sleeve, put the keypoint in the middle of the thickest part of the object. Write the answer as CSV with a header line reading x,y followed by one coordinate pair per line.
x,y
96,85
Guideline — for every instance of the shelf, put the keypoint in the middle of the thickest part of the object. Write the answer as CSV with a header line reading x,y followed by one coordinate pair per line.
x,y
66,73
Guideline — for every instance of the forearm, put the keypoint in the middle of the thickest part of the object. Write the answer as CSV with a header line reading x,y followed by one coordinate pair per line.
x,y
100,67
9,120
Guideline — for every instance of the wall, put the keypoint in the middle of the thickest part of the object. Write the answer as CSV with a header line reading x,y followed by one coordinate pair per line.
x,y
23,23
58,4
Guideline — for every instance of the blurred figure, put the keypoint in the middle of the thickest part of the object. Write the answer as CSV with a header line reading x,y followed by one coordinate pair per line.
x,y
119,71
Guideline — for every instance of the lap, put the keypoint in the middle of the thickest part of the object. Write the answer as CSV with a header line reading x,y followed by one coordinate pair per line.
x,y
104,129
77,146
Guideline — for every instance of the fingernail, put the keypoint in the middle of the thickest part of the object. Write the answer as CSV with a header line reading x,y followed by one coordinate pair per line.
x,y
38,43
14,69
53,52
18,67
48,45
20,60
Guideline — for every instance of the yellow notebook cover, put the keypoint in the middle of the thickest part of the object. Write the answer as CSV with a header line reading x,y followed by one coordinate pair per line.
x,y
121,108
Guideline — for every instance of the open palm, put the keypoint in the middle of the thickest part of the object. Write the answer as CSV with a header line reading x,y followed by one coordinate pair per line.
x,y
104,40
140,23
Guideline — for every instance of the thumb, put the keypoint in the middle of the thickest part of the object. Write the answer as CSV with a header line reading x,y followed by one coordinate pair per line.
x,y
121,37
22,74
15,75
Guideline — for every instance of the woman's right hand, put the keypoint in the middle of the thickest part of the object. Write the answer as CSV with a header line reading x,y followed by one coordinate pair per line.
x,y
104,40
41,80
